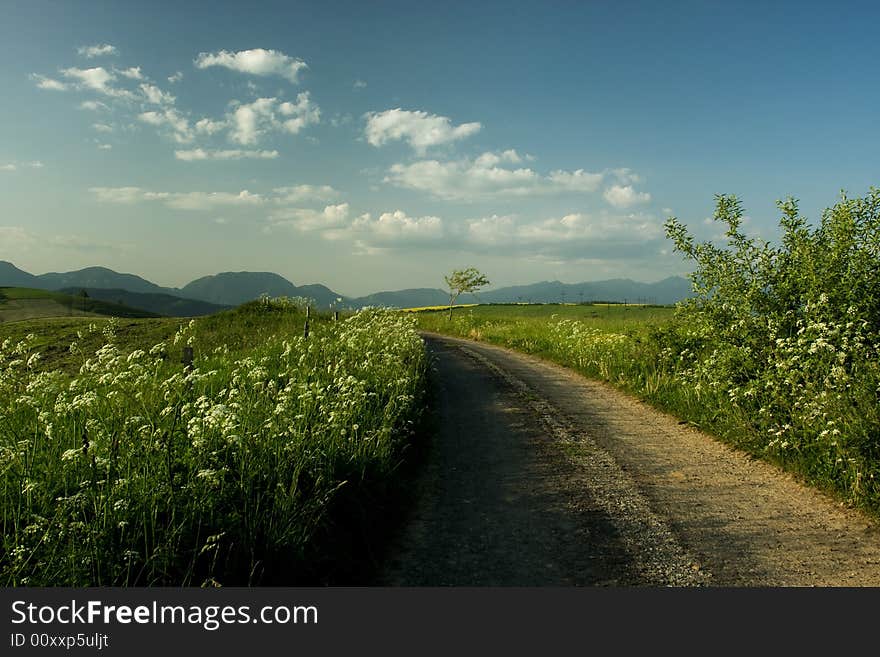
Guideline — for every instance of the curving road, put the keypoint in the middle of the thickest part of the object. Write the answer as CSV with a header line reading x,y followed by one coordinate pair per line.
x,y
540,477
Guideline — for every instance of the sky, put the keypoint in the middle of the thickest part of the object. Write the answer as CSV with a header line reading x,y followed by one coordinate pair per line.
x,y
379,145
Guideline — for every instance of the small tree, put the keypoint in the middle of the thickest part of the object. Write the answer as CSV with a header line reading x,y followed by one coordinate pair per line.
x,y
464,280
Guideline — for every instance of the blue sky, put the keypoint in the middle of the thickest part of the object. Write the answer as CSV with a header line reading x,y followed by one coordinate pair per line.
x,y
378,145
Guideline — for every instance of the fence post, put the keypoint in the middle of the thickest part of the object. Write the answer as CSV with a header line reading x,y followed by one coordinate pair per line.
x,y
335,315
306,329
187,359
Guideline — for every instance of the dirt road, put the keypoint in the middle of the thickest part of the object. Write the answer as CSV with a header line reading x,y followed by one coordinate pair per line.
x,y
540,477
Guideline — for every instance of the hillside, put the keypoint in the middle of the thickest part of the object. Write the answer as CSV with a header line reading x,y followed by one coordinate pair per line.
x,y
161,304
17,303
100,277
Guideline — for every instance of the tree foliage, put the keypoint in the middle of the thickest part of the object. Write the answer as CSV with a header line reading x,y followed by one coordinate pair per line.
x,y
788,334
464,280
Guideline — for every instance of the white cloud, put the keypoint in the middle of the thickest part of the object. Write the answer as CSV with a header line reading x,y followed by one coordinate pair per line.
x,y
494,230
209,126
201,154
172,120
133,73
96,79
624,196
155,95
48,83
97,50
419,129
251,121
105,147
307,220
179,200
255,62
303,113
397,227
8,167
102,127
359,84
487,177
301,193
93,105
576,235
177,77
118,194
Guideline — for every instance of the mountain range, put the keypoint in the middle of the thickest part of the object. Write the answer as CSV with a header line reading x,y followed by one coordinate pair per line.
x,y
212,293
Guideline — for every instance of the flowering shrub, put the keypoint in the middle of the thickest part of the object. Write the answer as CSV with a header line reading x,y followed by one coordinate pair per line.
x,y
789,335
138,471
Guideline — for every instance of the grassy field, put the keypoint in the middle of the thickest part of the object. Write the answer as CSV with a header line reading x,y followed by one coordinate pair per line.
x,y
20,304
267,462
665,359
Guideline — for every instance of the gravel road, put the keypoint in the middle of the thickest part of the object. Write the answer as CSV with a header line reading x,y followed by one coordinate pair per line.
x,y
540,477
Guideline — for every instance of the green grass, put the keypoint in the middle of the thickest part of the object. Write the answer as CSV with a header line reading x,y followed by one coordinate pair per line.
x,y
524,326
266,463
21,304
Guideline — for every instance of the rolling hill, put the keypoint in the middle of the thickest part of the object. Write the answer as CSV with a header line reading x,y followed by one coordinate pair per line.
x,y
18,303
154,302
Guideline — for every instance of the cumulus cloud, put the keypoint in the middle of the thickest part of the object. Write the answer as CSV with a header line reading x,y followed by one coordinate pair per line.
x,y
156,96
97,50
624,196
96,79
250,121
48,83
490,175
176,77
359,84
332,217
201,154
210,126
574,235
419,129
172,121
397,227
133,73
102,127
258,61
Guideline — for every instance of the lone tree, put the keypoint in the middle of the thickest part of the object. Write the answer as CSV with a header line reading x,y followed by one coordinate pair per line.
x,y
464,280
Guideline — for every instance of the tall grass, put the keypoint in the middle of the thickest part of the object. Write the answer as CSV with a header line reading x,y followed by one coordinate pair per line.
x,y
134,470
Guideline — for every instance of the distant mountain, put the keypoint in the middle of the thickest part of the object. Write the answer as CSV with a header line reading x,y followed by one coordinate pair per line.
x,y
234,288
323,295
667,291
160,304
100,277
663,292
12,276
413,298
